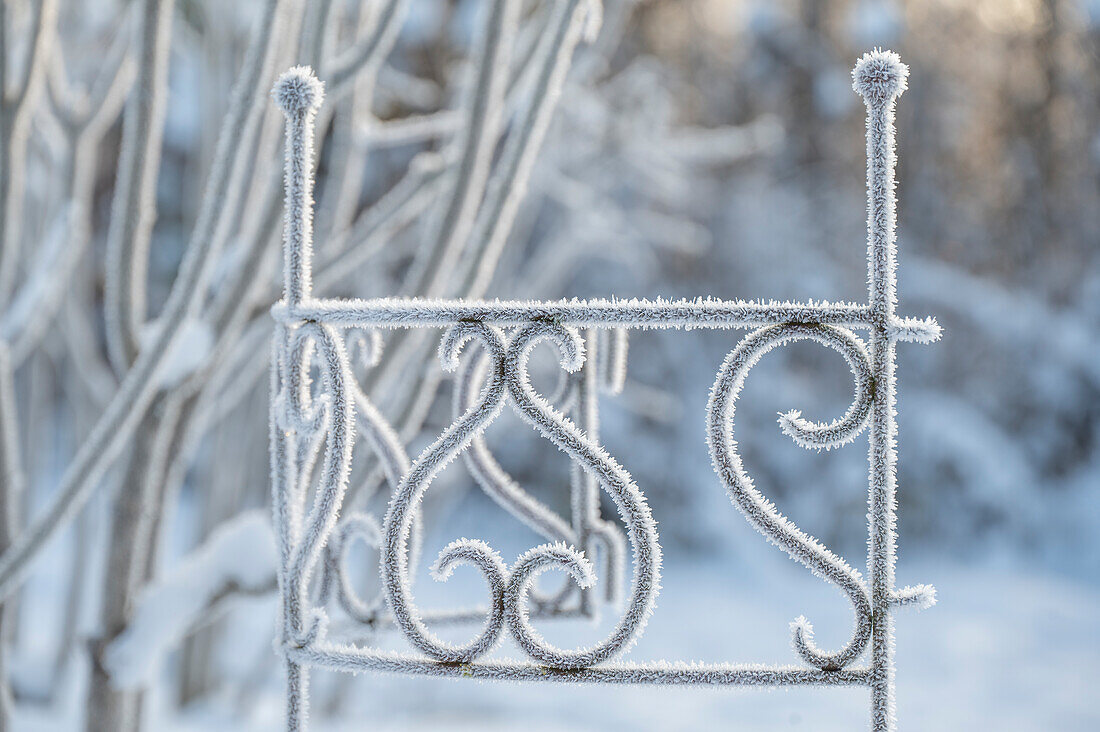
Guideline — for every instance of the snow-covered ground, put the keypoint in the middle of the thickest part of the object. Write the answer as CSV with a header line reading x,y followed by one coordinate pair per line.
x,y
1003,650
1007,648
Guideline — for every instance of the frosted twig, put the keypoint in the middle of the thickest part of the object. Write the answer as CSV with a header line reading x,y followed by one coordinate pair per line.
x,y
137,389
449,230
12,480
376,225
480,132
16,104
369,52
85,119
509,184
134,208
409,130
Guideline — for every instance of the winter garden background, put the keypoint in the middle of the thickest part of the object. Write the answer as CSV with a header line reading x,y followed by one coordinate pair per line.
x,y
698,147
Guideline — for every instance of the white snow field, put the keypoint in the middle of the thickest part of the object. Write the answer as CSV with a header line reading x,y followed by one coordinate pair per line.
x,y
1006,648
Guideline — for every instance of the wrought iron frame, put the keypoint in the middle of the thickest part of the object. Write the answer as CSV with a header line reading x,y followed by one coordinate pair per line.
x,y
314,428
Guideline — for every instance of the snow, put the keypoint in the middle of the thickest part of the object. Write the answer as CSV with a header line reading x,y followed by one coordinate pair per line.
x,y
240,552
1009,647
189,351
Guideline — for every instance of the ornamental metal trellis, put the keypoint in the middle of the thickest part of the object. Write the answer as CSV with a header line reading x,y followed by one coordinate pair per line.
x,y
313,428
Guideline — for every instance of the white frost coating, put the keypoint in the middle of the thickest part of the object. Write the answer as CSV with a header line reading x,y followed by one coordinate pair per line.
x,y
510,495
40,284
921,596
299,94
757,508
880,77
492,478
298,426
239,556
311,332
133,209
405,501
612,360
483,113
395,312
16,110
509,184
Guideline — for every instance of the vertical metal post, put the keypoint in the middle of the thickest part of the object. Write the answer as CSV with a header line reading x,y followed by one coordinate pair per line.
x,y
880,78
586,491
299,93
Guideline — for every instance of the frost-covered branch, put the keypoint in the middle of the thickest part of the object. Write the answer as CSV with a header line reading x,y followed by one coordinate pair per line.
x,y
85,119
509,185
134,209
16,105
481,127
137,389
12,484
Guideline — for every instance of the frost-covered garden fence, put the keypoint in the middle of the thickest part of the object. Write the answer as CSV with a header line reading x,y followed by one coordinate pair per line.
x,y
313,429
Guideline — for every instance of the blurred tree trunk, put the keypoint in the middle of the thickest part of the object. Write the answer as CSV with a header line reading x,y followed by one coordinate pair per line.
x,y
109,709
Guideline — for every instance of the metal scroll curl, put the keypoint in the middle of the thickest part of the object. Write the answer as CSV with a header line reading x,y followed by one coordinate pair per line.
x,y
756,507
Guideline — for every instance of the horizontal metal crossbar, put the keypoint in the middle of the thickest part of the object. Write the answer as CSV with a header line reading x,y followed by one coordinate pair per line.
x,y
600,313
351,659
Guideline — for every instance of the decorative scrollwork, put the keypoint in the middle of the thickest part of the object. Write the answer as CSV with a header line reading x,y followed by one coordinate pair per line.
x,y
404,505
632,506
493,479
509,592
510,495
364,527
308,422
761,512
501,487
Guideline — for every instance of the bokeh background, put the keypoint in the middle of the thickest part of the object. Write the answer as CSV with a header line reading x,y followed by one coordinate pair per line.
x,y
700,147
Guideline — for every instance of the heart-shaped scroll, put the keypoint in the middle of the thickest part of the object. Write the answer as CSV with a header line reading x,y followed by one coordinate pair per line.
x,y
507,492
506,377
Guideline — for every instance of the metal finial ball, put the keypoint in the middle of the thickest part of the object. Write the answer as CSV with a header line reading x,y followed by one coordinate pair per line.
x,y
298,90
880,76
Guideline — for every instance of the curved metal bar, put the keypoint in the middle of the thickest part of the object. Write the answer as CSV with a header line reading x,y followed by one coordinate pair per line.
x,y
493,479
502,487
339,431
364,527
632,506
761,512
405,504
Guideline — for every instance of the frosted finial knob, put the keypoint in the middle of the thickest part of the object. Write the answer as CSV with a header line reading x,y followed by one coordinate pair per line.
x,y
879,76
298,91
